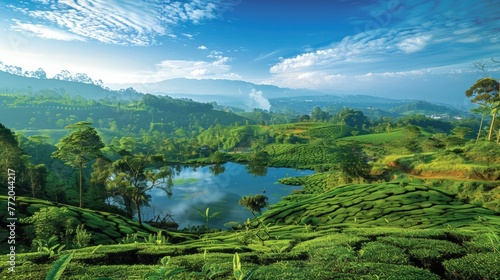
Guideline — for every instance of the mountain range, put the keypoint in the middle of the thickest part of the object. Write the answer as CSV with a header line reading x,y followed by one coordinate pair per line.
x,y
229,93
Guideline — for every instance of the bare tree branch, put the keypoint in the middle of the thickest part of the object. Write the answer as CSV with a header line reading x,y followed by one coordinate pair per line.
x,y
481,65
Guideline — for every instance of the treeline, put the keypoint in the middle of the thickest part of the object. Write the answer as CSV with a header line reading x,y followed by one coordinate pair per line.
x,y
165,114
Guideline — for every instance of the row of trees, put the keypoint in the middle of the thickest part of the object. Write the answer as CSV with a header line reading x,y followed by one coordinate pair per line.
x,y
126,179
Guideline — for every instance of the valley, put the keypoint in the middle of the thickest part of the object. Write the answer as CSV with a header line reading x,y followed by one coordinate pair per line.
x,y
170,188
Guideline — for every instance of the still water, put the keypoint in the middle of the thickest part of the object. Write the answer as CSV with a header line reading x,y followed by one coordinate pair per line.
x,y
220,188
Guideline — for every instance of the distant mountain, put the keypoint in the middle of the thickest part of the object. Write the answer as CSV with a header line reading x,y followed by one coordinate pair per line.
x,y
371,106
234,93
230,93
11,83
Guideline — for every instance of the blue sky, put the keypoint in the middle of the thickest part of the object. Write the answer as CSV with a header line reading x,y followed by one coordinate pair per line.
x,y
395,48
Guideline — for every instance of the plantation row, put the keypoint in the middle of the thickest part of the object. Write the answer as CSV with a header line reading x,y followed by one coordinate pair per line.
x,y
297,155
380,205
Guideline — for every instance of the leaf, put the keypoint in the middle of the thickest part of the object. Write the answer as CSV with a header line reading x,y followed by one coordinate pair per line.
x,y
165,260
174,272
199,212
58,267
99,246
249,274
215,214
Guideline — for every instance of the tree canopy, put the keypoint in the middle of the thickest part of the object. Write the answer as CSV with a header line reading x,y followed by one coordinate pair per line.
x,y
78,148
485,92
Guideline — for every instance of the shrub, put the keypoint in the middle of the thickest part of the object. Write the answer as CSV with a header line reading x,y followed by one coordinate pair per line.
x,y
52,221
383,253
474,266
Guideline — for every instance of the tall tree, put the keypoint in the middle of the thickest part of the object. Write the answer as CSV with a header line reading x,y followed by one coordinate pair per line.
x,y
482,111
131,179
485,93
78,148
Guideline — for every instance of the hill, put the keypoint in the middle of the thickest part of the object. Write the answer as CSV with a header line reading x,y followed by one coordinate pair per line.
x,y
372,106
352,232
10,83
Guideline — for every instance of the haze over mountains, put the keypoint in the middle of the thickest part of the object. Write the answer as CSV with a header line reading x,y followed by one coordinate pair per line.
x,y
228,93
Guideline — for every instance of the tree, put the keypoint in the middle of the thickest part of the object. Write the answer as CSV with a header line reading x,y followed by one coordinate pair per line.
x,y
304,118
352,161
485,93
78,148
352,118
482,111
461,132
97,194
12,156
319,115
255,204
410,140
131,179
36,177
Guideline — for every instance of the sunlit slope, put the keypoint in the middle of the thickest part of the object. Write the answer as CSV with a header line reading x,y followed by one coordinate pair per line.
x,y
106,228
388,204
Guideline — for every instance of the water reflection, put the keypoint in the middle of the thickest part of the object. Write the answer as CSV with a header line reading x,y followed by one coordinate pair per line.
x,y
218,187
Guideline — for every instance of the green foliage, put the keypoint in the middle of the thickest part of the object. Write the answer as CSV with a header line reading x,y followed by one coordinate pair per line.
x,y
238,271
474,266
299,155
208,216
78,148
485,92
48,246
352,161
383,253
58,267
51,222
254,203
82,238
484,152
130,238
132,180
164,271
157,239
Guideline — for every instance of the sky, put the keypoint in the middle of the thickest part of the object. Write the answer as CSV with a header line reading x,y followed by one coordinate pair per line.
x,y
393,48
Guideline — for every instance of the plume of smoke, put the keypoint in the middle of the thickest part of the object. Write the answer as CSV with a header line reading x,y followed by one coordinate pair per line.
x,y
257,100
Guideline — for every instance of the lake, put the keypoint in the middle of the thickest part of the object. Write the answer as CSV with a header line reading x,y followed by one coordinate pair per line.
x,y
218,187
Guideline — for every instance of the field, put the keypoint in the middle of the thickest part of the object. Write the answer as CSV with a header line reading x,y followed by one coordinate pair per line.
x,y
351,232
298,155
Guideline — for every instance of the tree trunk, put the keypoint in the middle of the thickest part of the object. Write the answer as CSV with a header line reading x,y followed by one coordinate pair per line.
x,y
81,183
136,201
494,114
480,127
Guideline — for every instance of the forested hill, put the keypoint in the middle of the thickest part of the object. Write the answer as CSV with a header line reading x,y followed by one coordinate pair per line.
x,y
15,84
52,111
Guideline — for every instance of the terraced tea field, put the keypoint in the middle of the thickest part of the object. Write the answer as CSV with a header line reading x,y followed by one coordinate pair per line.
x,y
368,231
298,155
106,228
388,204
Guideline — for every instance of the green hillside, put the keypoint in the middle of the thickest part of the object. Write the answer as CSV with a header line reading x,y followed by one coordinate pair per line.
x,y
390,204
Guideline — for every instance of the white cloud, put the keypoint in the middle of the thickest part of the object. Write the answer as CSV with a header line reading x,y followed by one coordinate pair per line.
x,y
120,22
45,32
414,44
199,72
218,68
202,47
